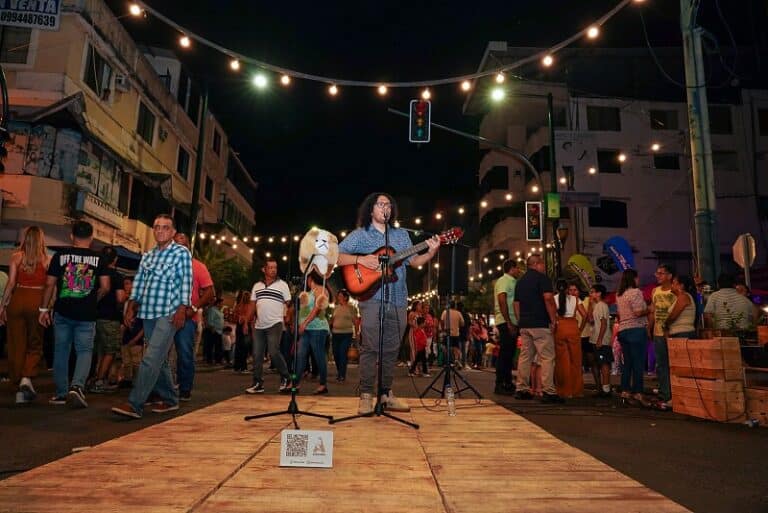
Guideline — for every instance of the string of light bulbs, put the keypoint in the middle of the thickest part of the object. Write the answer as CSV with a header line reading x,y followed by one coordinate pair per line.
x,y
545,57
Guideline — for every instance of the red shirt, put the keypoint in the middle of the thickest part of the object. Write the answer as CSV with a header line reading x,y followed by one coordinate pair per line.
x,y
201,279
419,339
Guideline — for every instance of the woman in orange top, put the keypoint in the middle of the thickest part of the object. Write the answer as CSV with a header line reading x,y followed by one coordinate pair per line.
x,y
19,310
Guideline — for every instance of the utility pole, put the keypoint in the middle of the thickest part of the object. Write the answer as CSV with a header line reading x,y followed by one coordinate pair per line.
x,y
707,248
557,266
194,208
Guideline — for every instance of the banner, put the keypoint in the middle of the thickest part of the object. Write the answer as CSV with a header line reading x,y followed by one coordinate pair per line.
x,y
582,267
36,14
621,252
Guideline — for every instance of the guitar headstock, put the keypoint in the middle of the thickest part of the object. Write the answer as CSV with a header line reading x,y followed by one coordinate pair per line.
x,y
451,236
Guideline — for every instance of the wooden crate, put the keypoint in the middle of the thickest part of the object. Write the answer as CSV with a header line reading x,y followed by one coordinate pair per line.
x,y
757,404
713,399
715,358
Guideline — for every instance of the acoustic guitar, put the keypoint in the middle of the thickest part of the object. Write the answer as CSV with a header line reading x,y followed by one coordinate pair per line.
x,y
362,283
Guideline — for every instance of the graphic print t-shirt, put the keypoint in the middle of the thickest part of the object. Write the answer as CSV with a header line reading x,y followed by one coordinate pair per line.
x,y
77,272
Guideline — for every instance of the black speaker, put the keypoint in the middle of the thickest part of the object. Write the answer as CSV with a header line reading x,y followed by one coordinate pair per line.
x,y
460,270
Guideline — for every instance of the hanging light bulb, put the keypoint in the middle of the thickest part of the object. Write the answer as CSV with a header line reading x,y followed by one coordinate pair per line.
x,y
500,77
333,90
417,220
622,157
461,210
592,170
296,238
548,60
185,42
563,180
655,147
285,80
260,80
498,94
425,94
382,90
135,10
483,204
466,85
535,188
508,196
593,32
234,65
343,234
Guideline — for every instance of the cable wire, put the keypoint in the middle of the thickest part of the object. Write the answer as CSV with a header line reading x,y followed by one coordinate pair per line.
x,y
653,54
363,83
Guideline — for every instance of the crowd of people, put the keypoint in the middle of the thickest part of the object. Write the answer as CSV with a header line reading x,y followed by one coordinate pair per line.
x,y
539,342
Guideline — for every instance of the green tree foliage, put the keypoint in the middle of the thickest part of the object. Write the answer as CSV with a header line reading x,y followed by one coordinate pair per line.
x,y
229,274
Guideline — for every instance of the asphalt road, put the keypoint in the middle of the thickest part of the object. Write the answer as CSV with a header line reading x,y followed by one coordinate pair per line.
x,y
708,467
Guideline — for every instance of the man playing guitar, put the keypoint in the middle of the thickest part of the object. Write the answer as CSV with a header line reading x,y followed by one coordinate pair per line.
x,y
377,211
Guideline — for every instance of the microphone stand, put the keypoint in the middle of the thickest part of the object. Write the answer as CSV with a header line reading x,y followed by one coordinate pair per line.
x,y
380,410
293,407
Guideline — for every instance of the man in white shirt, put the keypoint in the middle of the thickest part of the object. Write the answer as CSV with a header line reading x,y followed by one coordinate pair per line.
x,y
268,298
726,308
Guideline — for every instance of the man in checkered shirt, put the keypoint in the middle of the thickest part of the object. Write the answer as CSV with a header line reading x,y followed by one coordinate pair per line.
x,y
162,292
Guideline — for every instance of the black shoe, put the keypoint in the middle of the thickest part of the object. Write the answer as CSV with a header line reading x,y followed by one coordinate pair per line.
x,y
185,396
523,395
257,388
503,390
552,399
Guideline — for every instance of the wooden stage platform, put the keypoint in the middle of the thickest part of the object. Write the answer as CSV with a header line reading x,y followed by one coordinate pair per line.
x,y
484,460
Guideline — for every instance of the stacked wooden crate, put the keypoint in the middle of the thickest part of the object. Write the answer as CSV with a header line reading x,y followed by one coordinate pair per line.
x,y
707,378
757,404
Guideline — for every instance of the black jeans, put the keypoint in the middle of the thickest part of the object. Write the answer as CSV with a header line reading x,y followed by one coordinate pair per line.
x,y
507,346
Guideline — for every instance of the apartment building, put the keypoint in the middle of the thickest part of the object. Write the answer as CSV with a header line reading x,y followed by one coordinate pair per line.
x,y
623,168
106,130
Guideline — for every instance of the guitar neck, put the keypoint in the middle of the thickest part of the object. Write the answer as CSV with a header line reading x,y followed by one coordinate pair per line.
x,y
402,255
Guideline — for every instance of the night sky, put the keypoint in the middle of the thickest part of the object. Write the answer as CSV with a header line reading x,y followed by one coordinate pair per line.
x,y
316,157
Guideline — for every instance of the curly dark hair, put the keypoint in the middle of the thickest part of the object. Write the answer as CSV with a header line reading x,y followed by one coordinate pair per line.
x,y
364,212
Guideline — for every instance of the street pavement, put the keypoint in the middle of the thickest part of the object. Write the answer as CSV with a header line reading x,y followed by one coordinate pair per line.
x,y
706,466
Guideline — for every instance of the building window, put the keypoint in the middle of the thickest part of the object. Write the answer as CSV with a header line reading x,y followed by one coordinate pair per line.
x,y
98,73
611,214
146,125
603,118
762,121
725,161
15,49
209,189
664,120
608,161
720,119
668,161
182,163
216,142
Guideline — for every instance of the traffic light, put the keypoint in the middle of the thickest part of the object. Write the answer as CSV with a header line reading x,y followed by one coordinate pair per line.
x,y
533,220
420,116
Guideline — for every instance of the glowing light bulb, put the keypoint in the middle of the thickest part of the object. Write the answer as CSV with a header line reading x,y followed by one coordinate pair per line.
x,y
251,251
622,157
438,216
592,170
256,239
202,235
343,234
508,196
655,147
500,78
285,258
593,32
485,260
333,90
498,94
234,64
135,10
461,210
397,224
548,60
484,204
469,262
437,266
535,188
285,80
563,180
466,85
218,241
425,94
267,254
283,239
417,220
271,240
382,90
234,246
260,80
296,238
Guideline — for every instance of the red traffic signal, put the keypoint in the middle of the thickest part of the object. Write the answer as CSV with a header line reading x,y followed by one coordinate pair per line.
x,y
419,129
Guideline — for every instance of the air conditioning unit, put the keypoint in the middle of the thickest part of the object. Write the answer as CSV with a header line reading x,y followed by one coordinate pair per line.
x,y
122,83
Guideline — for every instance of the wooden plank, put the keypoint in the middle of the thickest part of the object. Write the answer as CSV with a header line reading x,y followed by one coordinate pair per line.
x,y
191,464
717,358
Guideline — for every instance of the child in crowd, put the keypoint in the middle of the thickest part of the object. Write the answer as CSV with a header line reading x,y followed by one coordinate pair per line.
x,y
228,344
618,357
601,338
420,348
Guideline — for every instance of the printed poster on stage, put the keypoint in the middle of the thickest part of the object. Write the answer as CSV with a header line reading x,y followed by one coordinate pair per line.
x,y
66,154
303,448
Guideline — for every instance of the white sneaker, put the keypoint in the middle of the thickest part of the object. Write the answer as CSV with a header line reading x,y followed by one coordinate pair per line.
x,y
366,404
20,399
27,390
392,403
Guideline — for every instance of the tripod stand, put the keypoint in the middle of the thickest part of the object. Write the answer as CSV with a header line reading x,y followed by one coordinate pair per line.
x,y
448,372
379,409
293,407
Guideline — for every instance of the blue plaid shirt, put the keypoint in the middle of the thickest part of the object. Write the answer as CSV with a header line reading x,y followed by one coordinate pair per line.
x,y
163,281
364,241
